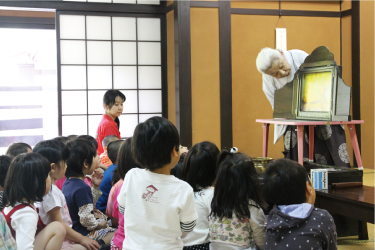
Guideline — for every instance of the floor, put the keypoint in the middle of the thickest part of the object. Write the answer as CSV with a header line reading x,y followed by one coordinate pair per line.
x,y
352,243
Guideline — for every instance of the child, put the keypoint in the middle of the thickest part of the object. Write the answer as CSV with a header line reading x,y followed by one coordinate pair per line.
x,y
4,166
125,163
106,185
199,170
60,183
18,148
113,102
293,222
237,219
157,207
53,207
28,181
104,159
79,197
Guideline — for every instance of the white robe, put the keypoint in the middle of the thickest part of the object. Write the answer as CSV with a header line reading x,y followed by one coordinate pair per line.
x,y
270,84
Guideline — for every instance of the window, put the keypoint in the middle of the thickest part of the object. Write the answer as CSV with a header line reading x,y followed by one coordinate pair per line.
x,y
104,52
28,86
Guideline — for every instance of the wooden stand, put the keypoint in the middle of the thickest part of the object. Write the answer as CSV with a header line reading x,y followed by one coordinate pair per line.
x,y
300,124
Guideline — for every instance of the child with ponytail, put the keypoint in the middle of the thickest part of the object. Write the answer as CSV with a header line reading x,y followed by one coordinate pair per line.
x,y
237,219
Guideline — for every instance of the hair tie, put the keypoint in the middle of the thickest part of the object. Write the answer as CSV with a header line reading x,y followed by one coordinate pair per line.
x,y
233,150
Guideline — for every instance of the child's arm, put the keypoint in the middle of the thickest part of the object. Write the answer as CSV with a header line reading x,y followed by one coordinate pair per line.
x,y
24,223
96,178
188,214
55,215
87,218
328,232
257,225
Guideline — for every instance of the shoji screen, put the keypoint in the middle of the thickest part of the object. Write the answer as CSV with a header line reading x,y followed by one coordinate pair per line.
x,y
101,52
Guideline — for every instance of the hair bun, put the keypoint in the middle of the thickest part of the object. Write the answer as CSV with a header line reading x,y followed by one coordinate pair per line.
x,y
233,150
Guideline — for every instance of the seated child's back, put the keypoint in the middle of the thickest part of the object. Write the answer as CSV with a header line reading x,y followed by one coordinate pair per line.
x,y
157,206
293,222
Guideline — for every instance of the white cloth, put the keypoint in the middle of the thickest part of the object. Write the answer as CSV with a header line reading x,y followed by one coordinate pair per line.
x,y
24,223
295,58
55,198
200,234
155,205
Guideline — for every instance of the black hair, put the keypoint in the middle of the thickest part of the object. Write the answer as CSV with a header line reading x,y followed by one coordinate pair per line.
x,y
17,148
62,139
237,183
81,151
112,150
90,139
125,161
4,166
72,137
153,142
55,151
199,168
26,179
285,182
108,139
177,170
109,97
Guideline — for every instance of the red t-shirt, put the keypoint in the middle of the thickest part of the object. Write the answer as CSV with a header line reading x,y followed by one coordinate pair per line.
x,y
107,126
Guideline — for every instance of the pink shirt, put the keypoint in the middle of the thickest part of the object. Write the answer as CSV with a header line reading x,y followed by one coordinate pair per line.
x,y
120,233
109,209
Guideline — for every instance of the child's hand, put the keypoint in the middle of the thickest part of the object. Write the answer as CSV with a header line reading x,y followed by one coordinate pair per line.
x,y
97,214
96,178
89,243
102,225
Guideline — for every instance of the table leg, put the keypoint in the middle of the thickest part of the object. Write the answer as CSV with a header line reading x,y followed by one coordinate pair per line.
x,y
266,128
362,230
311,143
353,137
300,143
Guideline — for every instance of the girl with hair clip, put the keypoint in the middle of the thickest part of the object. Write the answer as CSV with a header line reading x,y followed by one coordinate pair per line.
x,y
28,181
237,219
81,200
125,163
199,170
53,207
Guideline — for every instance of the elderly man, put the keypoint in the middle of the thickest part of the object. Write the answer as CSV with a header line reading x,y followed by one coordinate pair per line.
x,y
278,68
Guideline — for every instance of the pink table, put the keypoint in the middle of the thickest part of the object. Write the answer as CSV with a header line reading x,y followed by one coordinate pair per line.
x,y
300,124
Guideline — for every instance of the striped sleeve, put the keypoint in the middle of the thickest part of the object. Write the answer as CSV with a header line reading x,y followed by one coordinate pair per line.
x,y
188,226
121,209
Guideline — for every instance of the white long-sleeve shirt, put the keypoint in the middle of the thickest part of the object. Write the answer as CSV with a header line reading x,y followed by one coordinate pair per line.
x,y
295,58
24,223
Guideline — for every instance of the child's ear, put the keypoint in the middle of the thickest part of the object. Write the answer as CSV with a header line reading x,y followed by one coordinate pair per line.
x,y
53,168
175,153
85,165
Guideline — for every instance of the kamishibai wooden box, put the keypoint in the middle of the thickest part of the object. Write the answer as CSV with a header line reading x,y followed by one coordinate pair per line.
x,y
337,175
317,91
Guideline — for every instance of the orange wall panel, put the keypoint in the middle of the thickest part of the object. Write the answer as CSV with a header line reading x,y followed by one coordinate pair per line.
x,y
255,4
249,35
171,68
346,5
169,2
205,75
311,5
367,81
20,13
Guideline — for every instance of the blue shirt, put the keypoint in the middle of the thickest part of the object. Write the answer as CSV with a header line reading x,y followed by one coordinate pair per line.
x,y
77,194
105,188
